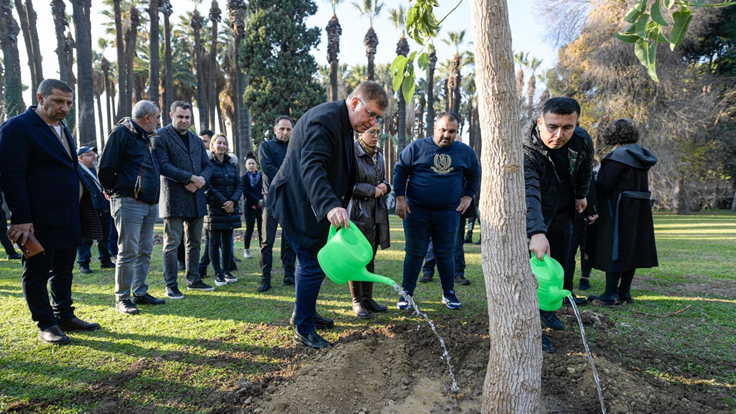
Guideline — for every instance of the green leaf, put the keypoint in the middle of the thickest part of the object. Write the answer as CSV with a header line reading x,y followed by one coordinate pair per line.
x,y
641,50
669,3
657,14
408,88
652,66
679,29
395,64
633,15
699,3
398,79
641,5
641,26
412,55
423,61
654,32
626,38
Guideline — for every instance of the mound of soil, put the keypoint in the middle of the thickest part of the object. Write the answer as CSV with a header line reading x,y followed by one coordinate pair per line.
x,y
398,369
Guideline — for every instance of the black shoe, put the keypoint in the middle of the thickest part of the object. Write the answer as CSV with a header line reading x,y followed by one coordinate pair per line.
x,y
426,278
174,293
584,283
54,336
199,285
236,259
478,242
264,285
605,299
374,306
84,269
76,324
578,301
320,322
147,299
126,307
107,265
468,239
461,280
550,319
15,256
288,281
313,340
547,345
229,278
220,280
625,298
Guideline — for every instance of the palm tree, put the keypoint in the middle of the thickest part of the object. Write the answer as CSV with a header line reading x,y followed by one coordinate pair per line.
x,y
99,87
86,94
9,42
215,17
402,48
334,31
131,35
120,46
58,9
370,8
196,26
105,67
521,59
453,81
2,92
154,64
430,88
27,17
421,90
168,62
237,10
531,86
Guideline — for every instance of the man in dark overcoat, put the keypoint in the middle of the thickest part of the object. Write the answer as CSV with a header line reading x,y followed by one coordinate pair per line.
x,y
87,166
313,187
185,168
43,188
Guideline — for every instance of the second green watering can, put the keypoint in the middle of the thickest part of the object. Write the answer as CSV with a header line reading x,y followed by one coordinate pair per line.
x,y
550,275
345,255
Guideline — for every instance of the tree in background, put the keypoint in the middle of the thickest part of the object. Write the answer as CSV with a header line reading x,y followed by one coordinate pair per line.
x,y
398,18
334,31
154,62
85,93
27,17
275,55
13,87
432,62
371,9
455,78
168,62
196,23
242,124
215,18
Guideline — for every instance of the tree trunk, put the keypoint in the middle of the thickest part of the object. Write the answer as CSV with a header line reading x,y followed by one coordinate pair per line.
x,y
130,52
122,77
105,66
241,125
430,91
370,41
402,48
201,104
71,119
37,57
168,62
733,202
101,137
420,116
477,145
154,66
215,17
2,93
23,18
13,87
681,198
334,31
513,378
86,96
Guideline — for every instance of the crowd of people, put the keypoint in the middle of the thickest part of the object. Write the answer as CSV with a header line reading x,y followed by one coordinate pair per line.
x,y
313,174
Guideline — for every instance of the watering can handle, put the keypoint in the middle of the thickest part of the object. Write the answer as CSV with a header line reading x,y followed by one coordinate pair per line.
x,y
543,261
333,230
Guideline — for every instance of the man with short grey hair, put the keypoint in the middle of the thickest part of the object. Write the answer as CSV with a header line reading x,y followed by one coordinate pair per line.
x,y
185,168
129,174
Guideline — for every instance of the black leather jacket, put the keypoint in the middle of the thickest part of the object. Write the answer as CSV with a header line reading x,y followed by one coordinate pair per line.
x,y
542,182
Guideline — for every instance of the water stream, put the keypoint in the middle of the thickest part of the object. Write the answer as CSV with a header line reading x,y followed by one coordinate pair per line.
x,y
445,354
590,356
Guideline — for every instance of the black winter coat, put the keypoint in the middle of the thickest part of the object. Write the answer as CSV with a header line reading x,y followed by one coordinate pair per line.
x,y
317,175
271,155
252,194
542,182
369,213
624,232
224,185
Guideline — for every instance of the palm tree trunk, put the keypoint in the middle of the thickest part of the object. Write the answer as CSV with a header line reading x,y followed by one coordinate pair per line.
x,y
420,116
168,62
201,104
105,66
23,17
86,97
681,198
122,77
215,17
101,137
2,94
402,48
154,66
334,31
130,44
37,57
430,91
13,87
513,377
371,44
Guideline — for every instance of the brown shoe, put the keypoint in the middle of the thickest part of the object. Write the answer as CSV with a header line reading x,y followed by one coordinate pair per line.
x,y
76,324
53,336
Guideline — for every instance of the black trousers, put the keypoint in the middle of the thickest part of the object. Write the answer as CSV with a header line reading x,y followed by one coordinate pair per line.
x,y
218,239
7,244
577,240
252,218
53,268
268,238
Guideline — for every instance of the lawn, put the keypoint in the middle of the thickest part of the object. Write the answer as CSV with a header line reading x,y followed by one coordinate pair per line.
x,y
183,356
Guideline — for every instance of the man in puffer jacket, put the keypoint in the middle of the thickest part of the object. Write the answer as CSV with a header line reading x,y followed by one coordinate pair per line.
x,y
557,166
130,176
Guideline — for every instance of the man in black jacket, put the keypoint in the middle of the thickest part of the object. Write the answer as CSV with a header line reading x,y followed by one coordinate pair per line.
x,y
43,189
313,187
271,155
557,166
7,244
129,174
87,166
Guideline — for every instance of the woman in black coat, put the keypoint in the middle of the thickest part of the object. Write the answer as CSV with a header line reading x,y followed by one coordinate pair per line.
x,y
253,193
624,232
223,192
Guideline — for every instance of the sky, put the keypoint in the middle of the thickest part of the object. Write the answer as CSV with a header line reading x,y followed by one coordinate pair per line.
x,y
527,35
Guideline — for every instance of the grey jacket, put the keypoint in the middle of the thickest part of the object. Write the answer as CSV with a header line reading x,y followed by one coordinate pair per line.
x,y
177,165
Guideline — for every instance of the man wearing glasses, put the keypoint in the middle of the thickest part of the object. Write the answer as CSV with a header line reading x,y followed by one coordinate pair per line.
x,y
312,189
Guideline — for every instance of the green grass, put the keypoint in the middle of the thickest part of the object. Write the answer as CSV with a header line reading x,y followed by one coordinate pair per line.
x,y
172,357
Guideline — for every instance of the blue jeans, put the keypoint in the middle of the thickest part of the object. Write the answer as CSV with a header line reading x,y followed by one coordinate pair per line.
x,y
420,226
309,277
84,253
430,260
134,221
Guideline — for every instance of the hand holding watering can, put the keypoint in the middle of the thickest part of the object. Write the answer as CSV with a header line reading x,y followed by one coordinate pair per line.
x,y
550,275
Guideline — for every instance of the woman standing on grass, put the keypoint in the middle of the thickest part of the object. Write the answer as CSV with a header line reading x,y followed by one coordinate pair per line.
x,y
223,192
253,193
368,210
624,232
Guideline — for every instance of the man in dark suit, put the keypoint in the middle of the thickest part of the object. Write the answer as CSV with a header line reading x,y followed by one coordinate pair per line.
x,y
313,187
7,244
87,166
43,189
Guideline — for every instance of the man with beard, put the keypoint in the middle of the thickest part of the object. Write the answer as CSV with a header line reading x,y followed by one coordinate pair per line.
x,y
43,188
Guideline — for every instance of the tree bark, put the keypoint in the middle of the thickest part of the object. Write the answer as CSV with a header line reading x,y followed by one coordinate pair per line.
x,y
168,62
334,31
13,86
131,34
371,43
37,57
513,378
681,198
105,66
101,137
733,203
24,27
215,17
154,65
86,96
430,91
120,46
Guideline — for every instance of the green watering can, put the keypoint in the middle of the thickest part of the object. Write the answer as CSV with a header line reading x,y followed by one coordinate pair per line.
x,y
550,276
344,257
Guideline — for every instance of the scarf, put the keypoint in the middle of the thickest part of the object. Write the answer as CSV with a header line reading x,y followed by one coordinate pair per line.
x,y
371,151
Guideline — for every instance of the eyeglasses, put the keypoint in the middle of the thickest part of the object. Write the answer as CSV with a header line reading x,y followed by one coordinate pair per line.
x,y
371,114
375,132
